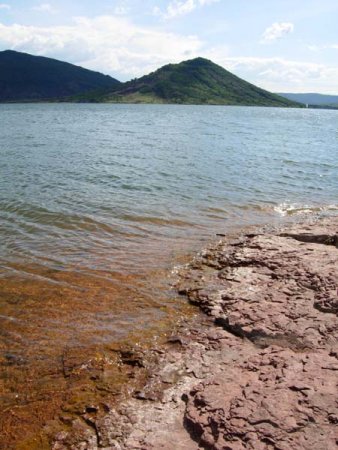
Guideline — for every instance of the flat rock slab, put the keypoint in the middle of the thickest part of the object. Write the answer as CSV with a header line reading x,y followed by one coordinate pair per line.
x,y
275,400
271,288
261,372
280,292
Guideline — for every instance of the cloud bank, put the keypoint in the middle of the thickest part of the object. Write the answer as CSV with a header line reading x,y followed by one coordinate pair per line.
x,y
116,46
282,75
109,44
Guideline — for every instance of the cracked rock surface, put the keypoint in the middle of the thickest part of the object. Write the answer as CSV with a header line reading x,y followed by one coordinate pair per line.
x,y
260,370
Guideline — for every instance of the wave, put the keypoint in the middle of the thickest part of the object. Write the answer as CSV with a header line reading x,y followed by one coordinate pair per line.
x,y
157,220
290,209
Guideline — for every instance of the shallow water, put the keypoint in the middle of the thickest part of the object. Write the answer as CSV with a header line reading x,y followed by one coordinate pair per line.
x,y
99,202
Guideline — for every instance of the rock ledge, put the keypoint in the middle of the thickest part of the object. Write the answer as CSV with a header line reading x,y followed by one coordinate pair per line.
x,y
260,370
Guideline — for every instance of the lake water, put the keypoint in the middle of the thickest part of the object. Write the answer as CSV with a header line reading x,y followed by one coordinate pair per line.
x,y
98,203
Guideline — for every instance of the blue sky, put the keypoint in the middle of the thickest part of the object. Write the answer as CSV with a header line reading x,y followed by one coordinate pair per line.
x,y
280,45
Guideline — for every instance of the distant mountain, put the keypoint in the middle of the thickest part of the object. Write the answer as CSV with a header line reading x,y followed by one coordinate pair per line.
x,y
25,77
197,81
312,99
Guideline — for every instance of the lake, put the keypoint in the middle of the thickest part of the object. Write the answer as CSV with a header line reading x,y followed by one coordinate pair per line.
x,y
99,203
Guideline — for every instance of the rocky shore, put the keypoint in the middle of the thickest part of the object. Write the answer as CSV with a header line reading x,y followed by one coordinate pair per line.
x,y
257,369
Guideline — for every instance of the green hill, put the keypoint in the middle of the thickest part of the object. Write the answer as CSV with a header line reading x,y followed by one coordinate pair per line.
x,y
197,81
25,77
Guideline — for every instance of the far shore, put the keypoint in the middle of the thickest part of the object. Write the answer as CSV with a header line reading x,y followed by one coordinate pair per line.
x,y
54,101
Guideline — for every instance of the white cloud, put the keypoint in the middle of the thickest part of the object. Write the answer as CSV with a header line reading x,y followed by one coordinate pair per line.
x,y
279,74
277,30
317,48
5,6
109,44
45,7
178,8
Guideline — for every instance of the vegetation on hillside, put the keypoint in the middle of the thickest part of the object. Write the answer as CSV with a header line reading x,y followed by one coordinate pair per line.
x,y
197,81
25,77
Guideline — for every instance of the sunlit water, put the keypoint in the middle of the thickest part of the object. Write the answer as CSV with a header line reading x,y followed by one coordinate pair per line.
x,y
99,202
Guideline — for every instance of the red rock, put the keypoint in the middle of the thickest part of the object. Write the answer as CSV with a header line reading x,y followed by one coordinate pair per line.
x,y
268,379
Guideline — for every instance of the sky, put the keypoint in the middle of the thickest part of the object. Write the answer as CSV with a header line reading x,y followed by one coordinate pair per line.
x,y
279,45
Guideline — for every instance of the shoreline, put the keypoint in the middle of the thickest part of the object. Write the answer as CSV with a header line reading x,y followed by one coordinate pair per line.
x,y
257,369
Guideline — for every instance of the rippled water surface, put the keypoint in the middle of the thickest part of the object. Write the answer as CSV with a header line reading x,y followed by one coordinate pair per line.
x,y
99,202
